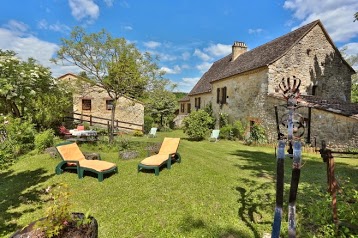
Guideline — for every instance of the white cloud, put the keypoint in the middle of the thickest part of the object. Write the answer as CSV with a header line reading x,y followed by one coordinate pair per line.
x,y
57,27
152,44
218,50
175,70
83,9
186,84
255,31
109,3
127,28
202,55
185,55
203,67
26,46
351,48
16,27
336,16
124,4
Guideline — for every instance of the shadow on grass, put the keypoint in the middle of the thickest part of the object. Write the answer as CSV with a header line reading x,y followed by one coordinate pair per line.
x,y
191,225
260,164
255,195
254,202
17,190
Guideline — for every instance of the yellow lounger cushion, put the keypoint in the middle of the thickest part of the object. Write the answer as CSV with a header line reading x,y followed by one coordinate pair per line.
x,y
169,146
70,152
155,160
98,165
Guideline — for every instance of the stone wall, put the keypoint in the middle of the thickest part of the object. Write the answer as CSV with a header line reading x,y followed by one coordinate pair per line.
x,y
127,110
337,130
205,98
246,96
315,61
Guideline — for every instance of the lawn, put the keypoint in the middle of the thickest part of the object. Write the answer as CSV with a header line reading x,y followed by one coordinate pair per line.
x,y
222,189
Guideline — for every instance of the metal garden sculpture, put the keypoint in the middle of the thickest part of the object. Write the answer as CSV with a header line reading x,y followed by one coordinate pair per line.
x,y
295,125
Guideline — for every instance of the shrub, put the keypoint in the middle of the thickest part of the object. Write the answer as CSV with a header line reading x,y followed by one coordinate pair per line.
x,y
257,135
22,133
138,133
226,132
148,123
196,125
209,109
238,129
44,140
19,139
224,119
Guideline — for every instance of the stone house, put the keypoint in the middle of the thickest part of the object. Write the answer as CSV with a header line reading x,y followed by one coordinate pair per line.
x,y
90,102
244,85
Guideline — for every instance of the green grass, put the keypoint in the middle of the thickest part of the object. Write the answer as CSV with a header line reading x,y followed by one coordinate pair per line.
x,y
223,189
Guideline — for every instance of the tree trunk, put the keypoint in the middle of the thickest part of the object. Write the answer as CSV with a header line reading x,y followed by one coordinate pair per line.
x,y
111,131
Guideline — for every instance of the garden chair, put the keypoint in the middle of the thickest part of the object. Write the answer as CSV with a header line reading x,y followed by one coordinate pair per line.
x,y
214,135
153,132
166,155
64,132
73,158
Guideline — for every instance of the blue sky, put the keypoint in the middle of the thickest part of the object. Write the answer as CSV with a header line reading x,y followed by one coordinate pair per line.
x,y
187,35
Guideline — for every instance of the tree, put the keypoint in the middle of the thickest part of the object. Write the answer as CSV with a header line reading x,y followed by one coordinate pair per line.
x,y
27,89
352,60
161,102
111,63
356,16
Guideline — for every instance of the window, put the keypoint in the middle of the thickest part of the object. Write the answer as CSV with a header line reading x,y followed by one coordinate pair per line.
x,y
314,89
221,95
86,104
189,107
197,103
182,106
109,104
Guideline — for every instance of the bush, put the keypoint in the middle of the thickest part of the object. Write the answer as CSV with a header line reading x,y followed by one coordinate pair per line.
x,y
21,132
238,130
196,125
257,135
138,133
148,123
19,139
44,140
224,119
226,132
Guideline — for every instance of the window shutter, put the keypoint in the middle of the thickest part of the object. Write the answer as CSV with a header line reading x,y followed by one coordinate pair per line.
x,y
223,100
218,95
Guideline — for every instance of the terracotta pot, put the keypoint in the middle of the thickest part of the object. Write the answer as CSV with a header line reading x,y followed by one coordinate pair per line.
x,y
31,231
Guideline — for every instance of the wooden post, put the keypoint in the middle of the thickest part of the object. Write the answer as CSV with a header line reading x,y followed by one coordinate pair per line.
x,y
333,187
90,120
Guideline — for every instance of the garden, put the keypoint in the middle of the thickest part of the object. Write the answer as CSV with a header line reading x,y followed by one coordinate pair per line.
x,y
222,189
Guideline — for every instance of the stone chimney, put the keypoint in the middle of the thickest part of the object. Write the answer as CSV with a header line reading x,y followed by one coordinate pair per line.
x,y
238,48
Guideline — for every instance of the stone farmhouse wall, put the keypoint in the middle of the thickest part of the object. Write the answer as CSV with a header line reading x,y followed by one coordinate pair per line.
x,y
246,96
129,111
337,130
315,61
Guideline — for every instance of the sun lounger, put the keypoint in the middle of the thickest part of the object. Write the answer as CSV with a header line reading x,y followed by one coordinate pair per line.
x,y
73,158
166,155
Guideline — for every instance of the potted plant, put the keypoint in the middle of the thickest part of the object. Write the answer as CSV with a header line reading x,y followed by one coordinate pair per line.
x,y
59,221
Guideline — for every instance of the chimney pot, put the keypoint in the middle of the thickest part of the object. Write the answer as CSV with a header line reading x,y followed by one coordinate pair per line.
x,y
238,48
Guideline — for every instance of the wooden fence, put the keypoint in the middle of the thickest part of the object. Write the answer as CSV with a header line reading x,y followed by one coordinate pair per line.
x,y
94,120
